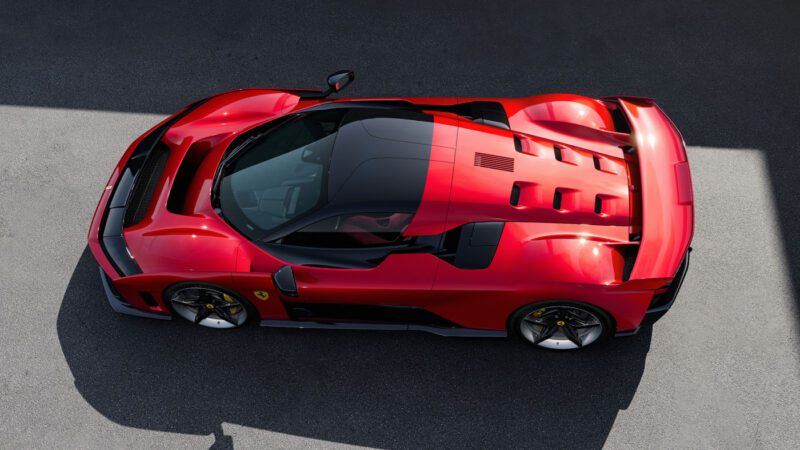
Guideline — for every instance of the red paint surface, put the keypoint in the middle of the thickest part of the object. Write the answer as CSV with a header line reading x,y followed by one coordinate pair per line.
x,y
544,253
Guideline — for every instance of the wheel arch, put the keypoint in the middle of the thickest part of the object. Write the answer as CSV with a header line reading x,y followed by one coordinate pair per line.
x,y
606,315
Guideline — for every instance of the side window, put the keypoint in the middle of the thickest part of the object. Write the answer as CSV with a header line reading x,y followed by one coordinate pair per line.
x,y
353,231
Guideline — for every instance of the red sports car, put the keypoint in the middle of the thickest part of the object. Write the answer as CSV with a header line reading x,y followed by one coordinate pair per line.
x,y
558,218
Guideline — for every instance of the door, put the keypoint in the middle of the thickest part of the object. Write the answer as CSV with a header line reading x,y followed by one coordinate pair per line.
x,y
358,268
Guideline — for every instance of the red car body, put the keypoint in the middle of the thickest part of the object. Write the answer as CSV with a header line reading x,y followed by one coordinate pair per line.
x,y
595,196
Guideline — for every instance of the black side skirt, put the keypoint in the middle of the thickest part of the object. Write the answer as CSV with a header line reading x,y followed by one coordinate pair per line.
x,y
441,331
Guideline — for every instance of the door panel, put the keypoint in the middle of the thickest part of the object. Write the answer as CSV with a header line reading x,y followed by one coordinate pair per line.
x,y
399,280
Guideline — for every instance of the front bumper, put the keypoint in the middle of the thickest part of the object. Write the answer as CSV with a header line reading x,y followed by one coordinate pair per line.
x,y
119,304
140,168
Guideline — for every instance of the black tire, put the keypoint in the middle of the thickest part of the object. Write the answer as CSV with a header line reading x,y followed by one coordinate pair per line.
x,y
516,319
252,313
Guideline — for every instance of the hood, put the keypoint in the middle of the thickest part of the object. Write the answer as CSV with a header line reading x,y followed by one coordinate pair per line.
x,y
177,220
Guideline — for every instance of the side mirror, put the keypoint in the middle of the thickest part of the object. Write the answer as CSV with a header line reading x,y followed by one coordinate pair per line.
x,y
336,82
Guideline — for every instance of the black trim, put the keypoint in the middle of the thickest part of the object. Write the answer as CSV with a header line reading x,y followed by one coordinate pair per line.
x,y
285,282
338,258
145,185
120,305
148,298
621,124
477,244
629,253
440,331
626,333
515,191
557,199
517,144
662,303
386,314
487,113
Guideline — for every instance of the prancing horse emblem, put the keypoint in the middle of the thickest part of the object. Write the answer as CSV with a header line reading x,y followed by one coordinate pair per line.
x,y
261,295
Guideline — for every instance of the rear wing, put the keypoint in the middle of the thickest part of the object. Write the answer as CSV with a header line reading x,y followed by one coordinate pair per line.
x,y
667,200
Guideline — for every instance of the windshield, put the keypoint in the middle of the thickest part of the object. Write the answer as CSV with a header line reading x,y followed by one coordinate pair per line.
x,y
280,176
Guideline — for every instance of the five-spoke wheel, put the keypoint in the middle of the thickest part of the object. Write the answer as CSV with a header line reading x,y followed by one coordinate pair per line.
x,y
560,326
208,305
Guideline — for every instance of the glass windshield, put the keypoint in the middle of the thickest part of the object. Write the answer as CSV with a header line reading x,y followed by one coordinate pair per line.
x,y
280,176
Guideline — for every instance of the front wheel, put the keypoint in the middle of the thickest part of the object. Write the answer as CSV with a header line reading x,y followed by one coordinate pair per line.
x,y
208,305
560,325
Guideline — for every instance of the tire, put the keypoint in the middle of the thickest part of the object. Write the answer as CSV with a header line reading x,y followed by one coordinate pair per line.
x,y
561,325
193,302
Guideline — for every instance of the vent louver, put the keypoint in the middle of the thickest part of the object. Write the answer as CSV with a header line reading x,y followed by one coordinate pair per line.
x,y
494,162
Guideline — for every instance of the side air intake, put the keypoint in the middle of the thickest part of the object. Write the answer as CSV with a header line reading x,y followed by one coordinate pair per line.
x,y
557,199
515,191
145,187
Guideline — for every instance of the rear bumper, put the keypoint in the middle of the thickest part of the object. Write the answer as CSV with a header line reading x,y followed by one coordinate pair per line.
x,y
663,302
121,306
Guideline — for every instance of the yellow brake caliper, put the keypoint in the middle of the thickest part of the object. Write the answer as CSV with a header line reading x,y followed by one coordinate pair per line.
x,y
235,310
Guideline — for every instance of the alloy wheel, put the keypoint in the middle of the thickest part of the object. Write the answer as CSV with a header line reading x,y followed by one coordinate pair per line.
x,y
208,307
561,327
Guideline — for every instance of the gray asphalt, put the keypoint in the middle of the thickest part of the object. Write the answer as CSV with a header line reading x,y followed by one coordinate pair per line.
x,y
78,82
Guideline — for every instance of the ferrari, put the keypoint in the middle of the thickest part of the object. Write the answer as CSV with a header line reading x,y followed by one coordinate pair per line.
x,y
557,218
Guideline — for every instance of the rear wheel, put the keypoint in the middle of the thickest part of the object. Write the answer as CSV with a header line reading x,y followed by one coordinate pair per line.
x,y
209,305
560,325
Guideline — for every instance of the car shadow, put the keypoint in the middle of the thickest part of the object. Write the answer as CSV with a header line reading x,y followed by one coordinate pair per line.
x,y
380,389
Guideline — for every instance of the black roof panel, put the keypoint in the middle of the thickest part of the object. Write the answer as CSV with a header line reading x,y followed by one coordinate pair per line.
x,y
380,160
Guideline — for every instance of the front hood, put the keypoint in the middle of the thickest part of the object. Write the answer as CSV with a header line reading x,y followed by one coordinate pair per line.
x,y
180,222
500,176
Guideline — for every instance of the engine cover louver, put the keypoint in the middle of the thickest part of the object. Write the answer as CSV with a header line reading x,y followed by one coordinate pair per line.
x,y
489,161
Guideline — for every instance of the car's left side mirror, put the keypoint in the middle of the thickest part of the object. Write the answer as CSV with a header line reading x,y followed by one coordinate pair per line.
x,y
338,80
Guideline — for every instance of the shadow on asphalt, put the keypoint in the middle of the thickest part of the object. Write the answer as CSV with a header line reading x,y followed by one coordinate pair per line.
x,y
380,389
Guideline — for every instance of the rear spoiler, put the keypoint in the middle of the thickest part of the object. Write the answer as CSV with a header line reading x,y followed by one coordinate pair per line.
x,y
667,200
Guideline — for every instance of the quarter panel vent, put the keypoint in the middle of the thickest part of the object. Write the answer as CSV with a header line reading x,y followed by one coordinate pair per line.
x,y
557,199
515,191
494,162
145,186
183,179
